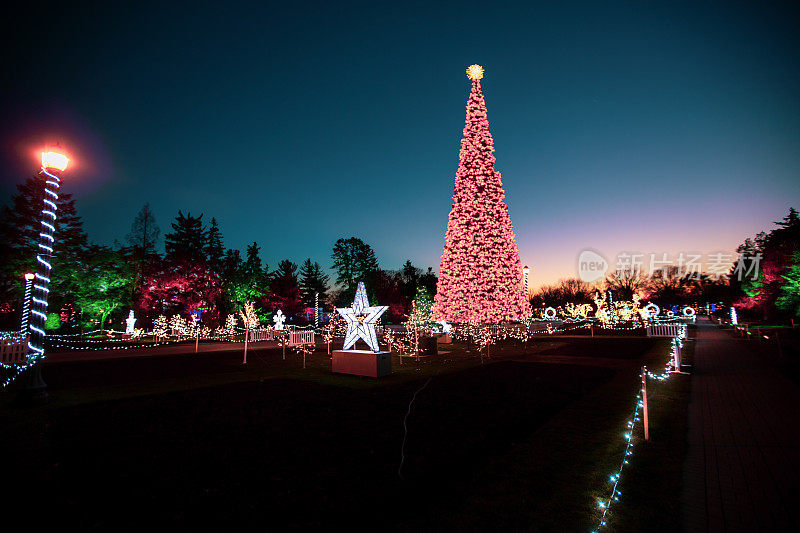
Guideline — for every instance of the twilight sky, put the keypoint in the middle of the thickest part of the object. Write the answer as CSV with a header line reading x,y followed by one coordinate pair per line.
x,y
618,126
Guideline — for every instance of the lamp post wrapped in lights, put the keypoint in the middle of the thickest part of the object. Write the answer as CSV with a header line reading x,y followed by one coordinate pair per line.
x,y
26,304
53,165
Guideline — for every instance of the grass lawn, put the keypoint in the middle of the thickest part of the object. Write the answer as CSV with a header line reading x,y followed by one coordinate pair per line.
x,y
523,441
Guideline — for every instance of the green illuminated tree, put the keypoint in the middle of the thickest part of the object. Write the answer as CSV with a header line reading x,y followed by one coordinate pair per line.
x,y
789,299
104,284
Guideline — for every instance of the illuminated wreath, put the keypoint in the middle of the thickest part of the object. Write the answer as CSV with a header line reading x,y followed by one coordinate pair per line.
x,y
651,309
688,312
550,313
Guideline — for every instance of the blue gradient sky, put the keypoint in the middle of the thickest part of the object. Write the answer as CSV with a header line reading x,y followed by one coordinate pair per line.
x,y
617,126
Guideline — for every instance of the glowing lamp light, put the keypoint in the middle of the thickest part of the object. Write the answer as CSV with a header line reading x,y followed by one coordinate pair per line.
x,y
475,72
54,160
29,276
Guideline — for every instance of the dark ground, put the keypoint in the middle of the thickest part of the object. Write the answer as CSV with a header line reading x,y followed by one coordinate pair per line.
x,y
197,441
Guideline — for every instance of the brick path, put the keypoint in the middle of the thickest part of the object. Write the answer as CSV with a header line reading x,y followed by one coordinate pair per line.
x,y
742,471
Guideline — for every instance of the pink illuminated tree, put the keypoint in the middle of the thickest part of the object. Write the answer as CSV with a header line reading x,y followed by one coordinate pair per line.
x,y
481,274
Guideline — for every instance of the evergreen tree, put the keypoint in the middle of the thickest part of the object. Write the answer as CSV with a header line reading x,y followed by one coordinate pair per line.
x,y
232,263
285,289
187,242
215,251
254,273
312,281
481,274
238,288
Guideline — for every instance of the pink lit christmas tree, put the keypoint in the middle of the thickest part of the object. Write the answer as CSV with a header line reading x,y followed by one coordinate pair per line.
x,y
481,275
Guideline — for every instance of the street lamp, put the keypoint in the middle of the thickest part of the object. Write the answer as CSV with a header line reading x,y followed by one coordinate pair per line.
x,y
26,304
53,164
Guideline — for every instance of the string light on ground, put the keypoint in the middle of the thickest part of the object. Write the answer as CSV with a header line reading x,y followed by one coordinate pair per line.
x,y
605,503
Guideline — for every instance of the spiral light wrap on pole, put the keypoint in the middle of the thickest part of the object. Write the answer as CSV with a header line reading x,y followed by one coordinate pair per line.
x,y
26,308
43,258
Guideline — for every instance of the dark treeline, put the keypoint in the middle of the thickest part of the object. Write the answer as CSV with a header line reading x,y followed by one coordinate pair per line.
x,y
94,284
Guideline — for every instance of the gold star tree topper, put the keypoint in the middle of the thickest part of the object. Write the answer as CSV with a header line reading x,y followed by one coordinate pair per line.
x,y
475,72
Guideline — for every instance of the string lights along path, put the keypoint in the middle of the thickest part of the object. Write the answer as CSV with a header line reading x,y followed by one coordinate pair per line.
x,y
604,504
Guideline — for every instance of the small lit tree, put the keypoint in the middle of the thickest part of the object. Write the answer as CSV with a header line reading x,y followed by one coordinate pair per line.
x,y
249,315
160,327
176,324
250,320
230,326
336,328
420,319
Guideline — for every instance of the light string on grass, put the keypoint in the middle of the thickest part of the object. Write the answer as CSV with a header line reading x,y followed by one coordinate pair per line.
x,y
605,504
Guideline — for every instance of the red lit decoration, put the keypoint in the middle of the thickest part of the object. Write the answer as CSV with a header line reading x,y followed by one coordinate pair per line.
x,y
481,273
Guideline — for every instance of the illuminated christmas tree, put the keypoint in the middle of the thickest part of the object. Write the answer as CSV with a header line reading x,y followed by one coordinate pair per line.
x,y
481,274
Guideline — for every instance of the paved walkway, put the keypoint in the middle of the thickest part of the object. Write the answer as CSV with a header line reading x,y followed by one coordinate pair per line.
x,y
742,471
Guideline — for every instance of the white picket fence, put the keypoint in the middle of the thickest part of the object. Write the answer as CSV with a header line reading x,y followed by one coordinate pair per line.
x,y
14,350
663,330
301,336
260,335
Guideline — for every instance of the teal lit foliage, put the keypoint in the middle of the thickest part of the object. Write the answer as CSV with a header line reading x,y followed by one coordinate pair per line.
x,y
789,299
53,321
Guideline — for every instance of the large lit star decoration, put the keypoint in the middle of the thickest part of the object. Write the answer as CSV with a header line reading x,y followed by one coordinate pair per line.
x,y
279,319
475,72
361,318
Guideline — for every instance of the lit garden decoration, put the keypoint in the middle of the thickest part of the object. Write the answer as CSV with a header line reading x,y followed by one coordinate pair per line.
x,y
361,319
